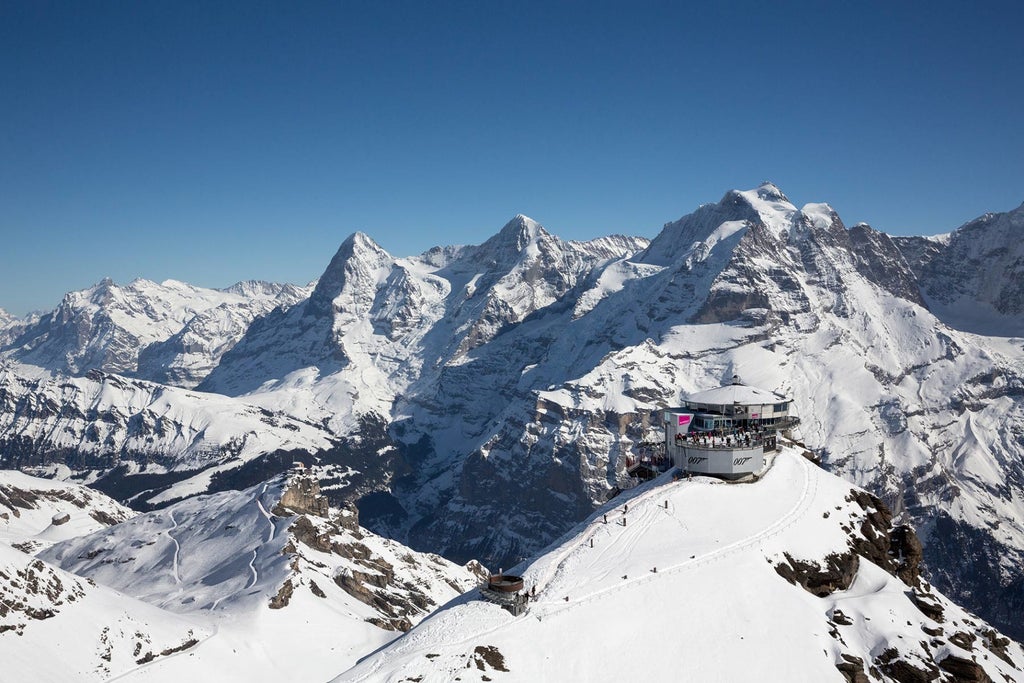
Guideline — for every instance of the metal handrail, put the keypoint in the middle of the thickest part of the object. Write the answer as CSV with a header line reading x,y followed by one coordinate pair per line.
x,y
720,447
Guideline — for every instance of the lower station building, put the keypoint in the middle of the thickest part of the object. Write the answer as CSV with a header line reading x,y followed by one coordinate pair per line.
x,y
726,431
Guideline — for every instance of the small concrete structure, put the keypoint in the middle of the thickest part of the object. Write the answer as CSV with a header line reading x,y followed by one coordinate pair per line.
x,y
507,591
726,431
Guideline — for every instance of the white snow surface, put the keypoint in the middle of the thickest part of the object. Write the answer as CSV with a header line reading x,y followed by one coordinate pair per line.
x,y
170,331
715,609
219,560
59,628
33,510
739,394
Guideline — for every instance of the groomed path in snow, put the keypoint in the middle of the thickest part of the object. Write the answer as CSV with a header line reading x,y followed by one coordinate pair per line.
x,y
672,555
647,529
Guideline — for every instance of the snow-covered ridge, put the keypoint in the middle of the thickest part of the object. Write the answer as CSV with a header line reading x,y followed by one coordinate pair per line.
x,y
612,246
675,571
35,513
272,571
171,332
145,426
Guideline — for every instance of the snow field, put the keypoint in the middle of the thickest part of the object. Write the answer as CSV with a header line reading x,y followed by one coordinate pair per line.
x,y
715,610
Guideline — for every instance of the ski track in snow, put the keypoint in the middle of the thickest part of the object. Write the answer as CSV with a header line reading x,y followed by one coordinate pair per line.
x,y
793,515
807,496
177,547
163,658
555,565
270,537
252,568
627,539
254,573
263,511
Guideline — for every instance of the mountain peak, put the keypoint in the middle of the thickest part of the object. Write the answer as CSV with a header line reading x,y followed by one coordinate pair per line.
x,y
100,293
513,238
104,284
524,228
357,255
355,245
769,203
360,240
769,191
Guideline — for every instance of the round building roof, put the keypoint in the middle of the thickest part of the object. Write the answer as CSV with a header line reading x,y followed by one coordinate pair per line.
x,y
736,394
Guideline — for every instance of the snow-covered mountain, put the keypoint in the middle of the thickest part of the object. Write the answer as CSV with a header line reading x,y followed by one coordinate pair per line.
x,y
170,332
974,278
375,326
891,397
796,577
11,326
282,584
36,513
485,397
514,436
55,626
109,427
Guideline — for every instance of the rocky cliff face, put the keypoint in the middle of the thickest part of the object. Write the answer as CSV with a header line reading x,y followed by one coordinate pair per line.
x,y
302,495
973,278
956,647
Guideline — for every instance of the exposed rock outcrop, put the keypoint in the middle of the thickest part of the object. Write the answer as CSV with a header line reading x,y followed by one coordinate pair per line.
x,y
895,549
303,496
399,590
837,573
964,670
852,669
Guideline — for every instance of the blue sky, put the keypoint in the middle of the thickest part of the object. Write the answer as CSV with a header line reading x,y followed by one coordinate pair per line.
x,y
214,142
